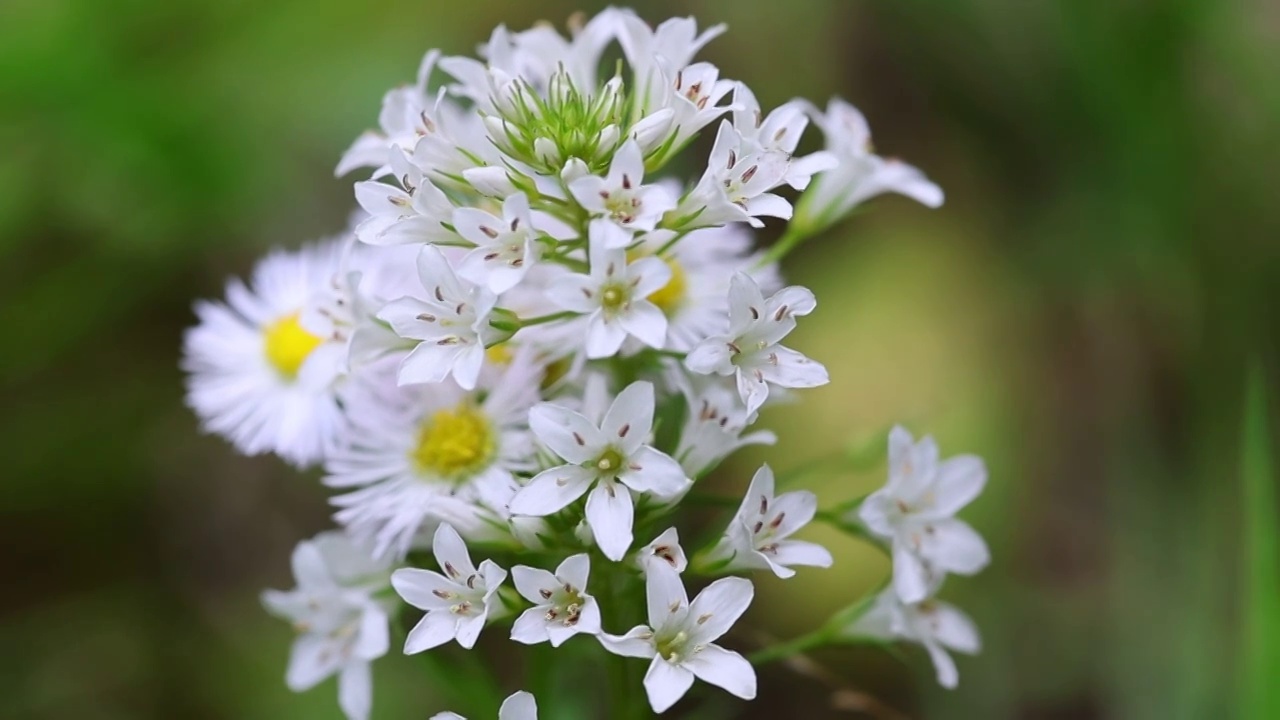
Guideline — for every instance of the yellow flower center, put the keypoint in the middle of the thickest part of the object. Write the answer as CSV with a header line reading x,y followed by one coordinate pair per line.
x,y
669,297
500,354
454,443
288,344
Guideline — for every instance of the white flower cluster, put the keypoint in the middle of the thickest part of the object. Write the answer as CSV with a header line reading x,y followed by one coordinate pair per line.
x,y
536,341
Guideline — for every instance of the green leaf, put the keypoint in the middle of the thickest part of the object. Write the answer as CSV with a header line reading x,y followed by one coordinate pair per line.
x,y
1260,646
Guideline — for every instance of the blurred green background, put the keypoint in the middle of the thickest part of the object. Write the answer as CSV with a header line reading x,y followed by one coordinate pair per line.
x,y
1081,313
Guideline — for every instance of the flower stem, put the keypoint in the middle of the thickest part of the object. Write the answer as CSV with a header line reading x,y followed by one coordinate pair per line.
x,y
791,647
788,242
540,319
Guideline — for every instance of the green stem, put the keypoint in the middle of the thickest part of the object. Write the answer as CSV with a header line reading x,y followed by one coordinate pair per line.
x,y
791,647
788,242
540,319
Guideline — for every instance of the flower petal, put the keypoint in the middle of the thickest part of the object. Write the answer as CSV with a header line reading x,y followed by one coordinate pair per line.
x,y
610,514
567,433
629,419
355,690
666,683
551,490
531,581
719,606
724,669
655,472
638,642
451,553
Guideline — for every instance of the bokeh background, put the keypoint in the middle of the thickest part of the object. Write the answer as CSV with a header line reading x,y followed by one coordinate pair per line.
x,y
1081,312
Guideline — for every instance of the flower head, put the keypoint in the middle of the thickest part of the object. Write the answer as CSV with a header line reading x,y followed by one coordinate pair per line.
x,y
936,625
457,600
450,321
561,606
341,627
759,535
915,512
680,638
611,459
750,350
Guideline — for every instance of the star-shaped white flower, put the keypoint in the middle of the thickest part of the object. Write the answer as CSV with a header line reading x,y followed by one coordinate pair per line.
x,y
757,537
613,297
451,323
561,606
915,512
737,184
341,628
519,706
612,457
665,550
506,247
936,625
680,638
750,350
412,212
621,204
457,602
859,174
779,132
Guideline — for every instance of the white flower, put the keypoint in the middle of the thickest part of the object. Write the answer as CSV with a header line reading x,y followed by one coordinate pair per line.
x,y
715,425
614,298
506,247
341,628
611,456
757,537
519,706
779,132
561,606
915,512
859,174
623,204
412,211
457,602
665,550
261,370
696,298
736,185
451,322
412,456
936,625
404,119
750,350
676,99
680,638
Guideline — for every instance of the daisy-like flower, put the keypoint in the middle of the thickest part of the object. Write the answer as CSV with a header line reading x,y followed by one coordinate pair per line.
x,y
613,297
457,602
416,455
936,625
451,322
611,457
623,205
561,606
680,638
506,247
859,173
261,370
750,350
411,211
916,510
519,706
665,550
758,536
341,628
